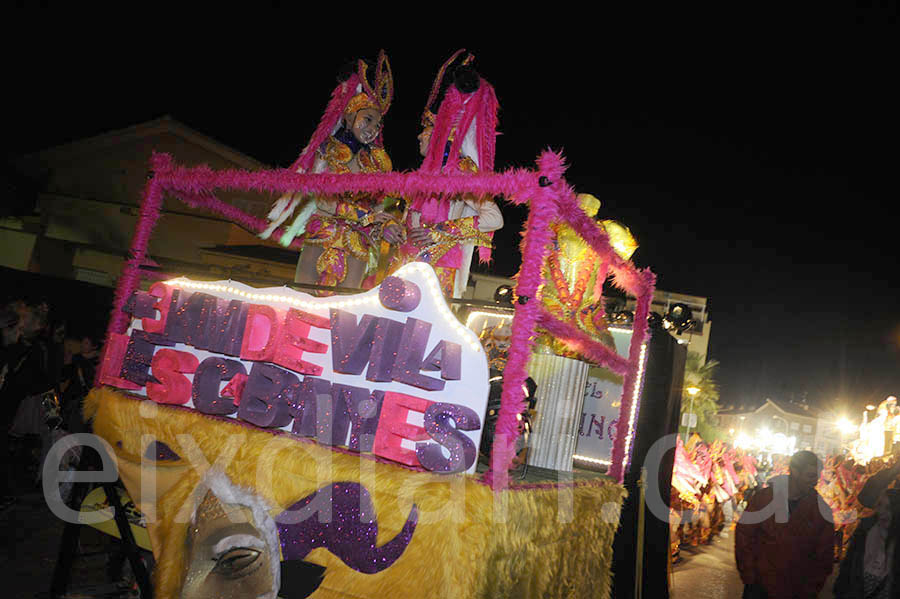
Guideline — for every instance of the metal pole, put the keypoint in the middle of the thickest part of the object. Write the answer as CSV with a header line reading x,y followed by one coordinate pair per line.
x,y
690,413
639,557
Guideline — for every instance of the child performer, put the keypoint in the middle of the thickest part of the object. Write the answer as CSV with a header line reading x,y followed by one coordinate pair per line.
x,y
342,232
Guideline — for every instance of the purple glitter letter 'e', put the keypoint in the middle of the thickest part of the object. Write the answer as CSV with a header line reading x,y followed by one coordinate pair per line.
x,y
438,424
384,349
350,344
399,294
312,391
446,357
205,390
350,533
266,396
409,356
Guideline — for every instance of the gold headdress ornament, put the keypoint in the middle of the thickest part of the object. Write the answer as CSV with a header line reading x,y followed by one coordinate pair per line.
x,y
620,237
380,93
428,117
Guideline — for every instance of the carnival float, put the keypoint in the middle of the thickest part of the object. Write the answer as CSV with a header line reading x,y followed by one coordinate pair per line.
x,y
260,428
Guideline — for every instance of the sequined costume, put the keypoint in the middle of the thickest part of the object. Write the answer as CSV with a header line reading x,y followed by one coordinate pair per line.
x,y
454,233
344,226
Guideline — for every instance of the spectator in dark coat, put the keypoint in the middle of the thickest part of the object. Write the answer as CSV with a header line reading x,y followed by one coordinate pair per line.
x,y
785,538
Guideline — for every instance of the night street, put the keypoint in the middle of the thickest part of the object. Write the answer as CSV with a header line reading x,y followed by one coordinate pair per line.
x,y
31,535
709,571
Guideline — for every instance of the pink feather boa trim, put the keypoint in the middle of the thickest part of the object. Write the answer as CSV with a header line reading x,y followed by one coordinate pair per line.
x,y
553,201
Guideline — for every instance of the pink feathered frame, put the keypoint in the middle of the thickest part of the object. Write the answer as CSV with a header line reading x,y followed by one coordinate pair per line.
x,y
550,200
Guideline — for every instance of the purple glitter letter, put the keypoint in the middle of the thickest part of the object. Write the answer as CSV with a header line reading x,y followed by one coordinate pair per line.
x,y
399,294
363,411
311,393
205,390
446,357
350,344
384,349
409,357
265,399
438,423
139,357
226,327
141,305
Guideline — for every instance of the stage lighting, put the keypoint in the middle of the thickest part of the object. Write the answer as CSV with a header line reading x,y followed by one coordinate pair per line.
x,y
656,321
679,318
504,295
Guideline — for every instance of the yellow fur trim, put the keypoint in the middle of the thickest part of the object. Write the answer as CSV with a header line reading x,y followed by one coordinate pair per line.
x,y
468,543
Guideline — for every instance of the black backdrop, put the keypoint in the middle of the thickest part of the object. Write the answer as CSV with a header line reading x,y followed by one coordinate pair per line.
x,y
658,417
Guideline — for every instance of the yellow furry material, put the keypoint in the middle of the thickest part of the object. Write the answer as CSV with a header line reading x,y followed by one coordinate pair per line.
x,y
469,542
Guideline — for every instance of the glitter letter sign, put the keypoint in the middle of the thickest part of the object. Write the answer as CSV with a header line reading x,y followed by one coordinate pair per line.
x,y
390,371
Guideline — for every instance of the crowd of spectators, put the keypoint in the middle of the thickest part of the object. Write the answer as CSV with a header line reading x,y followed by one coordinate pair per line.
x,y
45,371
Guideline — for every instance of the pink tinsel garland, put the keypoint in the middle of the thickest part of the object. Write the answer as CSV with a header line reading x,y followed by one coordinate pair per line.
x,y
550,199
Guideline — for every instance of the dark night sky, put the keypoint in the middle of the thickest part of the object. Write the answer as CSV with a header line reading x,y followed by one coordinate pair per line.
x,y
756,169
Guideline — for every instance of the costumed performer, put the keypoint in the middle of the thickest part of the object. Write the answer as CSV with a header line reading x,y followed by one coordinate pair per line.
x,y
575,275
342,233
460,138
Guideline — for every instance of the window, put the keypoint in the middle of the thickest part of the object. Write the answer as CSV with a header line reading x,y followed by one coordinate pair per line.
x,y
795,426
807,428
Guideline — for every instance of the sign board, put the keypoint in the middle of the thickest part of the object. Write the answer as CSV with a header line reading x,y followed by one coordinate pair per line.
x,y
689,420
390,371
600,414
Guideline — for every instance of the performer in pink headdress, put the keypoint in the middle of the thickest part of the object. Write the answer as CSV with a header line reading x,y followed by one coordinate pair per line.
x,y
459,139
341,232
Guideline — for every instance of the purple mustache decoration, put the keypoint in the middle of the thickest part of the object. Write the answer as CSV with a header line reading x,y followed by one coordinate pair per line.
x,y
341,518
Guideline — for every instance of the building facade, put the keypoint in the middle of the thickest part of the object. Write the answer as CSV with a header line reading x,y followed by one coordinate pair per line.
x,y
88,203
813,430
482,288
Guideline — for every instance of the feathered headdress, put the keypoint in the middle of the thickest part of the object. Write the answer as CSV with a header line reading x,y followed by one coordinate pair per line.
x,y
465,119
351,95
469,119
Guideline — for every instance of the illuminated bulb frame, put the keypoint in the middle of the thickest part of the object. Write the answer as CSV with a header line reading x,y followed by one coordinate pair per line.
x,y
369,297
635,398
501,315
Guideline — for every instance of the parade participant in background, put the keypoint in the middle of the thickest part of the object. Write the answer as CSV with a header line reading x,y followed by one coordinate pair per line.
x,y
460,138
789,554
10,349
341,233
871,568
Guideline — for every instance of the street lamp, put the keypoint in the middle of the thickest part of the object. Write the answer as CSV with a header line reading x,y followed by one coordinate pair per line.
x,y
692,391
